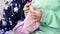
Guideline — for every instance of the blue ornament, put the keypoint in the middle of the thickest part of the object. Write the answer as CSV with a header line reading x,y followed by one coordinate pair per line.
x,y
4,23
6,7
16,9
12,15
9,18
2,30
10,22
16,4
5,28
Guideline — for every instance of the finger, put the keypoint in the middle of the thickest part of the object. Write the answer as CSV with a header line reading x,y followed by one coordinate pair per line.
x,y
36,20
27,5
25,8
35,17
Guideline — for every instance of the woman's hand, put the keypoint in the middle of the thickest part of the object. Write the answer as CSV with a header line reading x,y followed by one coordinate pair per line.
x,y
26,8
36,13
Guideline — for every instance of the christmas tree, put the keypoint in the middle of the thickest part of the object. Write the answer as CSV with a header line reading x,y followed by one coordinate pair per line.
x,y
13,12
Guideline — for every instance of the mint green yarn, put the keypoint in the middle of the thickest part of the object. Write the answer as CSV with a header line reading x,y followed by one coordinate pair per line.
x,y
50,20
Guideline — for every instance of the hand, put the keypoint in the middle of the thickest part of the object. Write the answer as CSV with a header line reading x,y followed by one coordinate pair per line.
x,y
36,13
26,8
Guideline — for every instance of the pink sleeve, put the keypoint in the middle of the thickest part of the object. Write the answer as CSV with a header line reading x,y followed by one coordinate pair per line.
x,y
21,30
27,26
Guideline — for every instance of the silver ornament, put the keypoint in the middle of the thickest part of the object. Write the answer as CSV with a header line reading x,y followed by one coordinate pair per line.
x,y
16,9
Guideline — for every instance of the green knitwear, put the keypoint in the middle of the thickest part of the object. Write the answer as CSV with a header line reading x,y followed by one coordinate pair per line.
x,y
50,20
